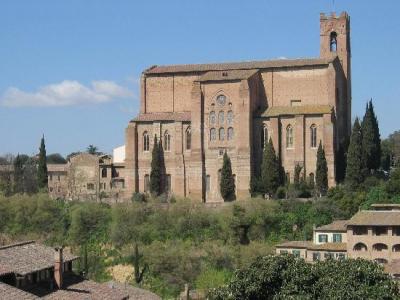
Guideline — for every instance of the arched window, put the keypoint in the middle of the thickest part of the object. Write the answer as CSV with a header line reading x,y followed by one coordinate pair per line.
x,y
333,41
264,136
212,118
396,248
104,173
213,134
221,134
229,117
188,138
221,117
379,247
230,134
167,141
208,183
360,247
289,136
313,133
146,141
146,183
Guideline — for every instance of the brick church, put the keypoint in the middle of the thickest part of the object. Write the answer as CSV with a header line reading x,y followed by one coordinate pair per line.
x,y
199,111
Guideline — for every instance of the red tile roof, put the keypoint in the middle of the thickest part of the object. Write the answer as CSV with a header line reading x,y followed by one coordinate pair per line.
x,y
338,225
163,116
10,292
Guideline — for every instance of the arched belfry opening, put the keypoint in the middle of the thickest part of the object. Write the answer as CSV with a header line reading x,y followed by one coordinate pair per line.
x,y
333,42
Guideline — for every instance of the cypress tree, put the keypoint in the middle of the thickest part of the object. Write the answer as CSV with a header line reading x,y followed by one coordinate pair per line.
x,y
155,173
321,176
270,169
19,174
370,139
355,163
42,166
227,183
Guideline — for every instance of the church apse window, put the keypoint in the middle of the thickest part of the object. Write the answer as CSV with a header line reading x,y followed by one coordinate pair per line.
x,y
212,118
213,134
221,133
146,141
167,141
230,134
333,42
188,139
221,100
221,117
289,136
313,133
264,136
229,117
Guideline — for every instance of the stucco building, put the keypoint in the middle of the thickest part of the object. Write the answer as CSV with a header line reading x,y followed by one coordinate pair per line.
x,y
370,234
199,111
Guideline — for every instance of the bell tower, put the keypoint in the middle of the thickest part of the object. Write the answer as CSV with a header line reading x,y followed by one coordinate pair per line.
x,y
335,41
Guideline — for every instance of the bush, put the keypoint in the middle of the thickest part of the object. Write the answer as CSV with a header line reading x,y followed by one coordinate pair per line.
x,y
138,197
281,192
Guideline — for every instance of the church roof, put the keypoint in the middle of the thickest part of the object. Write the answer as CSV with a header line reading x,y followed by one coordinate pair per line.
x,y
227,75
163,116
276,111
247,65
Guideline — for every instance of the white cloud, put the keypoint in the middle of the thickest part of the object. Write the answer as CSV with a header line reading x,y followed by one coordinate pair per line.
x,y
67,92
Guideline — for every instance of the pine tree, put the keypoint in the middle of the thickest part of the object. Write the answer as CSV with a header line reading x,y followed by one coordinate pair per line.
x,y
42,166
155,173
270,169
19,174
321,176
370,139
355,164
227,183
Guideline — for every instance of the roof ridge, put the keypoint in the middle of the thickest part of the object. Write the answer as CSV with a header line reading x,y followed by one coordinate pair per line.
x,y
17,244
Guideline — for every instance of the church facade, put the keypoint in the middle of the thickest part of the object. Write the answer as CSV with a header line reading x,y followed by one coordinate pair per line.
x,y
200,111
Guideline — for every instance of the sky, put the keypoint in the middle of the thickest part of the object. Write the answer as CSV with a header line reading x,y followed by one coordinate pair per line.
x,y
70,69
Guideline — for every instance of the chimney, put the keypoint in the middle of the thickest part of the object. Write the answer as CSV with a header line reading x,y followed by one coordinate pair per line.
x,y
58,267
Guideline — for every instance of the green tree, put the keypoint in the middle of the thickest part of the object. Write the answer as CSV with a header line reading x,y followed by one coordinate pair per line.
x,y
297,173
19,164
91,149
355,164
42,166
56,158
227,183
155,173
371,141
138,271
270,169
386,154
240,225
321,176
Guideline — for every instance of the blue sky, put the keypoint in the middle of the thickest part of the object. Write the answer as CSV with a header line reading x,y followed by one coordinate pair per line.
x,y
70,69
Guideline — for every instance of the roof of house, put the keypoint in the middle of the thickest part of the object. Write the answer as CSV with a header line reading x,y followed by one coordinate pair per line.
x,y
133,292
329,247
163,116
276,111
230,75
10,292
246,65
338,225
376,217
295,244
74,287
28,257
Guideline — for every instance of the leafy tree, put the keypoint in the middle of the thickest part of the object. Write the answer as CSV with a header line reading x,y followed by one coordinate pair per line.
x,y
156,172
355,163
287,277
56,158
393,185
297,173
321,176
240,225
91,149
270,169
42,166
30,176
227,183
341,155
371,141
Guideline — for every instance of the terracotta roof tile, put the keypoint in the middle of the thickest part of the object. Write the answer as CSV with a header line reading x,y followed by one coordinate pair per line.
x,y
163,116
265,64
329,247
295,244
377,218
10,292
227,75
338,225
27,257
276,111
